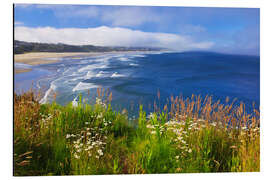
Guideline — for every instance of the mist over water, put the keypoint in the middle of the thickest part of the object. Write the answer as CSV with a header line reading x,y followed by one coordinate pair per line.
x,y
136,78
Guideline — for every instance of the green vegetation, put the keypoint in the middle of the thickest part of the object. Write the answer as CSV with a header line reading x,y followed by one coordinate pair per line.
x,y
24,47
193,135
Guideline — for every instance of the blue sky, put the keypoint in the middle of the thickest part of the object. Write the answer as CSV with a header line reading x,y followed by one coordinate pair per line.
x,y
227,30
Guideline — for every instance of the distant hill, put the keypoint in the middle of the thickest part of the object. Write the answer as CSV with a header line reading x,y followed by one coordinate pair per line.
x,y
21,47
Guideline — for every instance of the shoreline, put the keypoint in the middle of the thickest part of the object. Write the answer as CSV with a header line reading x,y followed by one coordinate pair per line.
x,y
39,58
20,70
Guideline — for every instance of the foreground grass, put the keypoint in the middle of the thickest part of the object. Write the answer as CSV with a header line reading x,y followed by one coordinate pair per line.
x,y
195,135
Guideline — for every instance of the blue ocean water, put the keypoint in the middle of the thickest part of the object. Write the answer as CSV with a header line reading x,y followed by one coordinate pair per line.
x,y
135,78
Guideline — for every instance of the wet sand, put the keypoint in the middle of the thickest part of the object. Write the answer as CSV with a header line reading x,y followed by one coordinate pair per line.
x,y
17,70
44,58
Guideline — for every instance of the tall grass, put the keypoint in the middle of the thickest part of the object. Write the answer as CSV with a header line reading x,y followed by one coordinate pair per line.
x,y
185,136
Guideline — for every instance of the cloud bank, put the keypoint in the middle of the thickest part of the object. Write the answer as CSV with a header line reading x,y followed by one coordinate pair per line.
x,y
107,36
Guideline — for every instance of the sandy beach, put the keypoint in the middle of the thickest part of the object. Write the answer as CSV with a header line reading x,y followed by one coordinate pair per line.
x,y
38,58
43,57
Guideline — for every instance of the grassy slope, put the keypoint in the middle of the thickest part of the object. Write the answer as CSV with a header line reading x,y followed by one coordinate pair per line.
x,y
65,140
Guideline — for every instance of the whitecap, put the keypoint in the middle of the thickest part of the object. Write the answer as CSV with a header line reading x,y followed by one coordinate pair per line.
x,y
115,75
101,74
123,59
49,93
89,75
93,67
85,68
75,79
138,55
133,64
84,86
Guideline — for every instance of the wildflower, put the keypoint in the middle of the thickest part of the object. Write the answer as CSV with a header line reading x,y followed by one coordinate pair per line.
x,y
99,142
256,129
68,136
99,116
180,138
176,157
149,126
153,132
97,157
190,150
86,123
98,101
151,116
76,156
100,152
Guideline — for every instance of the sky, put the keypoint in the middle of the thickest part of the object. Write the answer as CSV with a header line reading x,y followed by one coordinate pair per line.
x,y
225,30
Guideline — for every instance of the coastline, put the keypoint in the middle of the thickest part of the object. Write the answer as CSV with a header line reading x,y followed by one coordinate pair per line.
x,y
38,58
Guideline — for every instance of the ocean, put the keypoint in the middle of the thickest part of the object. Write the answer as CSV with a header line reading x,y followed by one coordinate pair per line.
x,y
135,78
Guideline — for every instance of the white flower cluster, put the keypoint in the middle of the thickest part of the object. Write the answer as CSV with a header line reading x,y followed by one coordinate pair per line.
x,y
155,128
45,119
100,117
88,143
245,132
178,134
99,102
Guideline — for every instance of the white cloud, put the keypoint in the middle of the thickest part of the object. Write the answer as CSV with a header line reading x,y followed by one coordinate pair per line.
x,y
130,16
106,36
114,15
69,11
